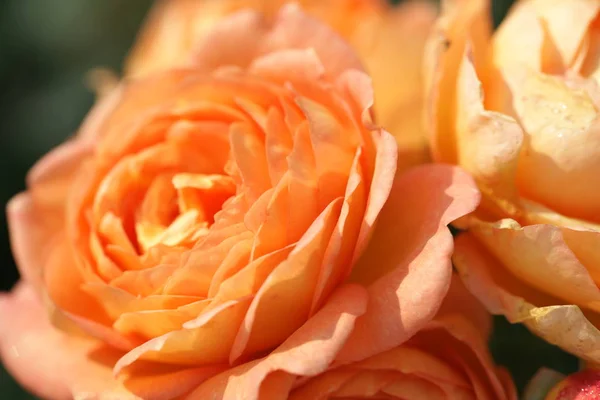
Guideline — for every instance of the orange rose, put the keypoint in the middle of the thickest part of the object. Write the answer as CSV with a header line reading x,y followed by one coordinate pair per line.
x,y
224,213
389,40
447,359
519,110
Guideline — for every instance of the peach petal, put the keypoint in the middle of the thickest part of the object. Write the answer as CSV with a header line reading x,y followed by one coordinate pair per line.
x,y
480,368
562,128
384,173
462,22
168,33
249,279
195,276
63,283
535,213
323,385
238,39
276,385
293,29
368,384
544,36
303,207
52,175
159,382
337,260
539,255
307,352
147,281
333,150
30,238
459,301
563,325
232,41
488,142
249,154
117,301
203,341
150,324
357,87
399,35
38,355
238,258
35,217
413,361
272,232
426,199
278,144
585,244
292,282
294,65
414,388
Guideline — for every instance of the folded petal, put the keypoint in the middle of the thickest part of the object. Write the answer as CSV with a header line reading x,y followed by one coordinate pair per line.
x,y
307,352
502,293
407,264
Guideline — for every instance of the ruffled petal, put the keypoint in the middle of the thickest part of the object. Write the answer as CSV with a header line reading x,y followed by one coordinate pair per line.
x,y
409,253
307,352
564,325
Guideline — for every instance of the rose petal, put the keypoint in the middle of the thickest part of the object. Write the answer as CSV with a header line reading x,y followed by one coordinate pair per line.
x,y
409,254
461,23
540,257
50,363
562,127
501,293
394,37
307,352
270,318
488,143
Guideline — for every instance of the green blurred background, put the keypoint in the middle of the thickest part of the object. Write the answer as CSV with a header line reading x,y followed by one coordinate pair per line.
x,y
46,49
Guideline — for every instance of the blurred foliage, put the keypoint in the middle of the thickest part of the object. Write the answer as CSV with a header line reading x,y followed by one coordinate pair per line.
x,y
46,49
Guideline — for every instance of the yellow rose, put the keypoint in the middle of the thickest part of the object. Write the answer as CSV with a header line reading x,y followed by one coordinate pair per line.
x,y
519,110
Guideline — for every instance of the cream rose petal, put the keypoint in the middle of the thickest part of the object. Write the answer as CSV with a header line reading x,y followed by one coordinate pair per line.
x,y
501,293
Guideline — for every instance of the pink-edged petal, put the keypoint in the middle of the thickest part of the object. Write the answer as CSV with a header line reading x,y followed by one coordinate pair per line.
x,y
307,352
244,36
296,30
291,65
35,217
48,362
407,264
